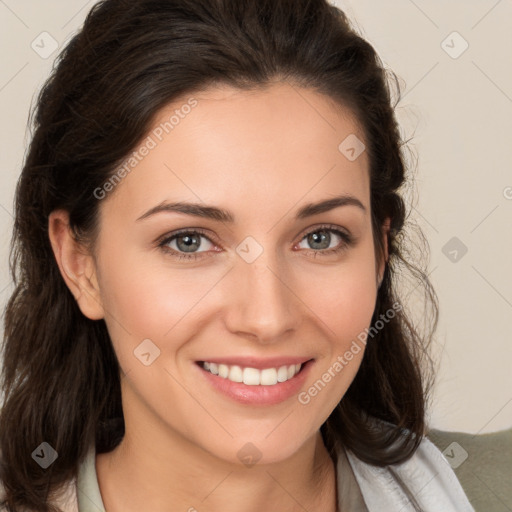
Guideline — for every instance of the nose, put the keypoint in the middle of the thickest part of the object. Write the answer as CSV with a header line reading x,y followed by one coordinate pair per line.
x,y
262,303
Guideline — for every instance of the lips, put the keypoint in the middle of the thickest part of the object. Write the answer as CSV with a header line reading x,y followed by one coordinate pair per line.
x,y
253,371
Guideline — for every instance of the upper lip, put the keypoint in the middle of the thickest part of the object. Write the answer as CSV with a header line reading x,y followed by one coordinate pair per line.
x,y
257,362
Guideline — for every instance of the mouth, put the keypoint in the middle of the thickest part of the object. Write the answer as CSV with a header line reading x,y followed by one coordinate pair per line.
x,y
256,382
252,376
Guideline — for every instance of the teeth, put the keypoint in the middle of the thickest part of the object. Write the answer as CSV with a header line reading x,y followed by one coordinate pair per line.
x,y
236,374
282,374
253,376
223,370
269,377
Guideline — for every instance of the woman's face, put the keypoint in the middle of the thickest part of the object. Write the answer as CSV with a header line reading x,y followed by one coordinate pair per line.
x,y
257,278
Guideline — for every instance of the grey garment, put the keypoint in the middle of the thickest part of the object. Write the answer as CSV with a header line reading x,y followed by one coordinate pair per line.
x,y
89,496
88,490
423,483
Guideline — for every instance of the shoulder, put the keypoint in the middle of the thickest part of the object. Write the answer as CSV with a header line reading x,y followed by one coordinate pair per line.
x,y
425,482
481,463
429,476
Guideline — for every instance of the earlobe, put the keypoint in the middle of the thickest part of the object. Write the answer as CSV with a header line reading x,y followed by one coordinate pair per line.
x,y
76,265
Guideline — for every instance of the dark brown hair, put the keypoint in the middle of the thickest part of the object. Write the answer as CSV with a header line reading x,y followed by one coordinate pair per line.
x,y
61,379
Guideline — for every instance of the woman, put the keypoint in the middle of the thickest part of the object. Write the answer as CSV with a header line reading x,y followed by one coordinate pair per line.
x,y
207,244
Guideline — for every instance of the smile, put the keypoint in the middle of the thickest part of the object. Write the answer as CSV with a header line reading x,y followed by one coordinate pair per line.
x,y
253,376
255,381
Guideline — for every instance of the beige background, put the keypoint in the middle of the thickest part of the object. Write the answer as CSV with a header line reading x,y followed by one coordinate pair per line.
x,y
457,106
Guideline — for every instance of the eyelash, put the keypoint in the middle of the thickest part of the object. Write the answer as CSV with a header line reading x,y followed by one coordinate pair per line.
x,y
347,241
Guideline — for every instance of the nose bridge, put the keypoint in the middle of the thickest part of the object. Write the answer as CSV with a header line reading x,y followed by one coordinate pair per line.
x,y
262,304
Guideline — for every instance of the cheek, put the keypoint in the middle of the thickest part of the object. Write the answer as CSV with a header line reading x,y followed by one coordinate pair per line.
x,y
345,303
149,299
343,297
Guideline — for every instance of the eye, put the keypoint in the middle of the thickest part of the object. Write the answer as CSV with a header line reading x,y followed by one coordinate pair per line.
x,y
193,244
326,240
187,244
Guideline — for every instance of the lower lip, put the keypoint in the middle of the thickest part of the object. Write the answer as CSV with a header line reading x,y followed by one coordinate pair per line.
x,y
258,395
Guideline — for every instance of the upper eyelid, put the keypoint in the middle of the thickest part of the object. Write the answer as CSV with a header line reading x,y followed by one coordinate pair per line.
x,y
327,227
174,234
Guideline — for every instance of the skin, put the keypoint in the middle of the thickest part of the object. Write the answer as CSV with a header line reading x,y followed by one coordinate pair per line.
x,y
261,155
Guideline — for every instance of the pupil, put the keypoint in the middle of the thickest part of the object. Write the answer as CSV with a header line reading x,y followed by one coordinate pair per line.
x,y
318,239
189,243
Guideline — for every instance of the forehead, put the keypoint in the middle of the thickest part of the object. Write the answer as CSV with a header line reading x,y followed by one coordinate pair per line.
x,y
230,146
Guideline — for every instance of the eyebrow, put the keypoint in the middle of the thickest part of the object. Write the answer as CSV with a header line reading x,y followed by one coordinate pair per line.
x,y
219,214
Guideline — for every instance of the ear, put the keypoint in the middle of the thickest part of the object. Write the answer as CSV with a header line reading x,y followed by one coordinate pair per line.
x,y
382,265
76,265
